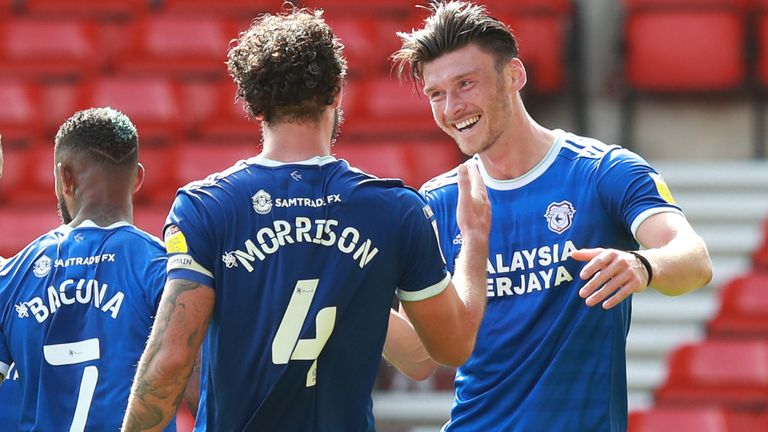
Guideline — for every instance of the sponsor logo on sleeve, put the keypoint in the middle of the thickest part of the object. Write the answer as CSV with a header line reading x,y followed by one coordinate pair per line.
x,y
175,242
662,188
560,216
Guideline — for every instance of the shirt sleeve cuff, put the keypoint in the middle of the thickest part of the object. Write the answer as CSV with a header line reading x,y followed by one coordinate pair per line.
x,y
425,293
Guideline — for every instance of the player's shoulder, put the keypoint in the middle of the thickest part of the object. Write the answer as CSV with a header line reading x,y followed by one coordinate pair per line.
x,y
595,153
217,178
443,181
150,241
584,148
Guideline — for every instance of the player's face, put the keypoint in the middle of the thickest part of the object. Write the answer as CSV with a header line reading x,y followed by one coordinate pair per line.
x,y
468,97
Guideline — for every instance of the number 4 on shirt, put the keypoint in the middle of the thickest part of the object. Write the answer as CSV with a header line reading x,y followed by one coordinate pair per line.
x,y
286,345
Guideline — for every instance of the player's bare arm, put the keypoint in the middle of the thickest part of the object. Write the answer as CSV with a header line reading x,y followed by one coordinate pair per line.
x,y
447,323
168,360
677,261
192,390
403,349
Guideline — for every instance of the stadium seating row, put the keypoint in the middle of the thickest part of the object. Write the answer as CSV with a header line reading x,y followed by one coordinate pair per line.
x,y
159,43
720,384
165,109
695,47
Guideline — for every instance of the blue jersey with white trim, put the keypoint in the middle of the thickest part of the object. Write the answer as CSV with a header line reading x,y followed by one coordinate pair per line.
x,y
543,360
305,259
76,306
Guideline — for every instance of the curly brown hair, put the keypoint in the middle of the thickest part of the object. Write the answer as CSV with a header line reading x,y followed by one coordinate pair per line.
x,y
288,66
452,25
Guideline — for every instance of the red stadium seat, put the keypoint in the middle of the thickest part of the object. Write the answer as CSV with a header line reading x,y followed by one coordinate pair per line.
x,y
184,420
667,42
14,183
62,99
360,43
665,50
102,9
760,256
385,108
48,48
370,7
530,6
694,419
160,182
151,218
229,8
381,160
22,224
196,160
541,39
743,308
413,161
162,45
151,103
227,121
731,373
19,119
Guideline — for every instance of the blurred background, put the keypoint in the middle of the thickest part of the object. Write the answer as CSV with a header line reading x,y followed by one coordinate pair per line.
x,y
681,82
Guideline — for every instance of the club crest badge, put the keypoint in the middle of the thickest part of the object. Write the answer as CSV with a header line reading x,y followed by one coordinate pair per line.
x,y
262,202
560,216
42,266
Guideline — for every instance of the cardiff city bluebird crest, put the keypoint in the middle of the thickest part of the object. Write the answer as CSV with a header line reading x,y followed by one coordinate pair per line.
x,y
262,202
560,216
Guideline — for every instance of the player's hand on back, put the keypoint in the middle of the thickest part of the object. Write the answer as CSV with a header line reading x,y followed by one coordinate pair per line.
x,y
473,212
612,276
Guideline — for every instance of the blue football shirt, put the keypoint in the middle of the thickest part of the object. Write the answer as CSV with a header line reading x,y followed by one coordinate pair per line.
x,y
543,360
10,401
76,306
305,259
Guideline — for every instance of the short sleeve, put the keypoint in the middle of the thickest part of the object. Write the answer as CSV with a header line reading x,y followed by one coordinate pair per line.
x,y
187,242
424,273
632,190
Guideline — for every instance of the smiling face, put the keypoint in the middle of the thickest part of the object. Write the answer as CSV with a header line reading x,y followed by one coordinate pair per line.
x,y
470,97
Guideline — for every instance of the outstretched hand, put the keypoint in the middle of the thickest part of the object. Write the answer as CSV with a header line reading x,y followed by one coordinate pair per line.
x,y
473,212
611,274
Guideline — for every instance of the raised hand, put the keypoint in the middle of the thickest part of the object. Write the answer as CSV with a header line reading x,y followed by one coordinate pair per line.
x,y
473,212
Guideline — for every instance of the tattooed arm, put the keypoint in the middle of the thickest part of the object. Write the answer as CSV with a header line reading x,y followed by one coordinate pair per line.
x,y
167,362
192,391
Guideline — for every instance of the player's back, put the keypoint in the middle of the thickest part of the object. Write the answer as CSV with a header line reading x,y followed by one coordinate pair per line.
x,y
305,261
76,307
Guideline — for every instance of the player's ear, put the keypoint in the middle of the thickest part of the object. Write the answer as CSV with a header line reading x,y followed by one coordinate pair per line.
x,y
139,178
339,96
67,178
515,72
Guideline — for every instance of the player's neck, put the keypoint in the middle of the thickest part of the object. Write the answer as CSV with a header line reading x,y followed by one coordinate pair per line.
x,y
518,151
103,207
293,142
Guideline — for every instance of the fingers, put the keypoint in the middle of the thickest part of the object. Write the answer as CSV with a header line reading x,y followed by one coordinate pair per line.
x,y
610,277
473,212
586,254
479,191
